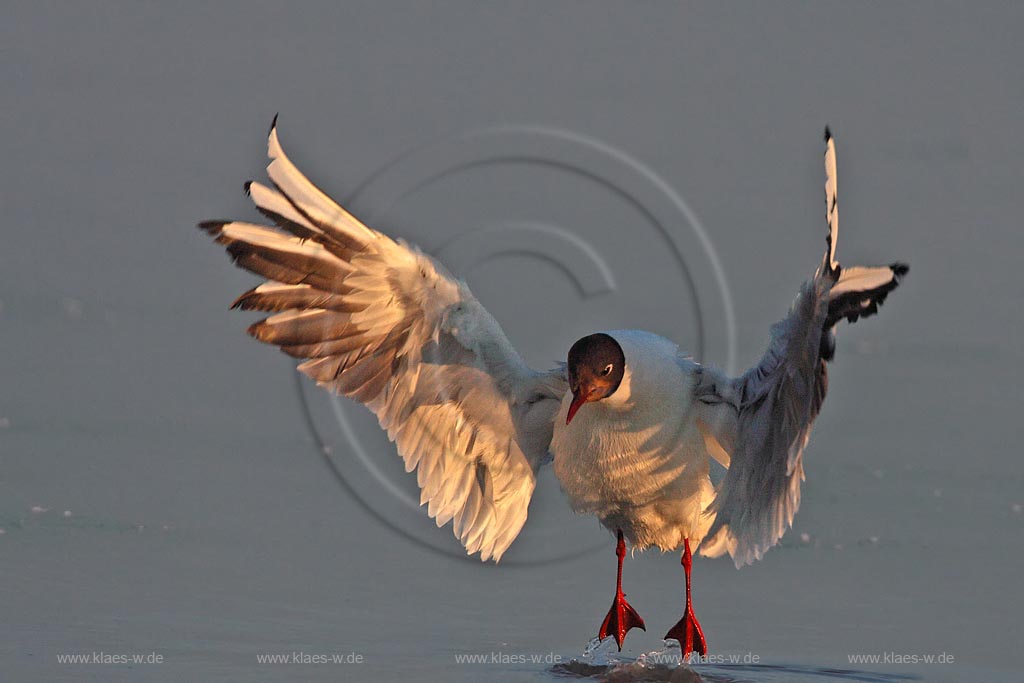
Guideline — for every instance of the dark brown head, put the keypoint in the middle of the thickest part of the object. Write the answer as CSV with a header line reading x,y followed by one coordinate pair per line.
x,y
596,364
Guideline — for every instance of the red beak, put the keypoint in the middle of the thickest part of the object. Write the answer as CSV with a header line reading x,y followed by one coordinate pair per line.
x,y
578,399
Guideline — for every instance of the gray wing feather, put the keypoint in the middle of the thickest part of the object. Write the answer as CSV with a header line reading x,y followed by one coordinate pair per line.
x,y
758,425
763,420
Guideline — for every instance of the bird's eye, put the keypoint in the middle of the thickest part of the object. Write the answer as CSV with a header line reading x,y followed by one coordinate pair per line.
x,y
607,369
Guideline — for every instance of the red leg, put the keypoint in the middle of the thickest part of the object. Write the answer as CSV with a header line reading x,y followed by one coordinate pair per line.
x,y
688,631
621,617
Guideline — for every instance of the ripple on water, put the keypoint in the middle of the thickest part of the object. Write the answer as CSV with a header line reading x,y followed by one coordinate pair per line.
x,y
602,662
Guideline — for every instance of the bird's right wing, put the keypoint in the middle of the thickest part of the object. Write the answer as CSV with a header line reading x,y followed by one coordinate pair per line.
x,y
379,321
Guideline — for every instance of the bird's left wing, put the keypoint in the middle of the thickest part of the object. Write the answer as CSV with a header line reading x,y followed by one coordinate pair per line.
x,y
379,321
758,424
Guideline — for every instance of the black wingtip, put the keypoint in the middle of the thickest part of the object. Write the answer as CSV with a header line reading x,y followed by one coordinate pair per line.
x,y
900,269
211,227
242,300
828,134
248,184
273,124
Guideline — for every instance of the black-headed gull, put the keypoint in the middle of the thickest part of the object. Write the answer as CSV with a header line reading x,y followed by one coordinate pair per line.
x,y
630,422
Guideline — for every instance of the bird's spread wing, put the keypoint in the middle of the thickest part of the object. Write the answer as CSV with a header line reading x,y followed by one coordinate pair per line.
x,y
377,320
760,422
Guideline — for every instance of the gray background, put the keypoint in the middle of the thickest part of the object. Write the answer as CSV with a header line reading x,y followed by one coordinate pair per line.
x,y
205,527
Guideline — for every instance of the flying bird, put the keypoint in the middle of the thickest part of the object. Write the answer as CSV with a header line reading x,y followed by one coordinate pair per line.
x,y
629,421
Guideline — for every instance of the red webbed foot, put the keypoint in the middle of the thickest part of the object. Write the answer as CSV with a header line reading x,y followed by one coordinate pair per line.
x,y
688,631
621,617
